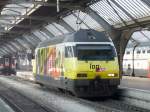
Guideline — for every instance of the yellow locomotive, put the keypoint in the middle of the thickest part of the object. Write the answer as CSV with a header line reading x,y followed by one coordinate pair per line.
x,y
84,63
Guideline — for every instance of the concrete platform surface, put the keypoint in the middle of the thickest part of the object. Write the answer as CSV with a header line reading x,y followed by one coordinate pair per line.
x,y
126,82
136,83
25,75
4,107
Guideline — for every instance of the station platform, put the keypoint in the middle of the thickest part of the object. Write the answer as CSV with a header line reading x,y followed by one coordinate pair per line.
x,y
25,75
126,82
135,83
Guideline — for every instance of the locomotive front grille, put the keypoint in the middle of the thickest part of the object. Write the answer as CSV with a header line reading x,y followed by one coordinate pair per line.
x,y
81,75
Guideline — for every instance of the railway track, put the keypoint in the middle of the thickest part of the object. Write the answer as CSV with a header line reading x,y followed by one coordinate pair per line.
x,y
121,106
20,103
111,104
100,105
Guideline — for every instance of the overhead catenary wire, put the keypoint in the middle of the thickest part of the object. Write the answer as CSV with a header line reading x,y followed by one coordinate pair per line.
x,y
79,20
78,24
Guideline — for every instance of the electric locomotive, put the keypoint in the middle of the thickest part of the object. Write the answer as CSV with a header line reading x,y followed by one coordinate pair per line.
x,y
83,62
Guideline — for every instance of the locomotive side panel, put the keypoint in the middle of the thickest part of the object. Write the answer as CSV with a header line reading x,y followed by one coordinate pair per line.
x,y
49,66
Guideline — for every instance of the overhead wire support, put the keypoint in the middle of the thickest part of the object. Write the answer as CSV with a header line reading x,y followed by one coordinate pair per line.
x,y
45,3
58,9
79,21
78,24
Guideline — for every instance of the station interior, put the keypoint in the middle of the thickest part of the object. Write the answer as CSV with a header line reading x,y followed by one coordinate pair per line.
x,y
27,24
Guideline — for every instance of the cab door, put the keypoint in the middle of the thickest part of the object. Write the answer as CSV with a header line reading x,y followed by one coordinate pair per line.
x,y
7,62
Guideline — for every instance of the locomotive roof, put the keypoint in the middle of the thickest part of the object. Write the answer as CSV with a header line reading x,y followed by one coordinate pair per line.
x,y
83,35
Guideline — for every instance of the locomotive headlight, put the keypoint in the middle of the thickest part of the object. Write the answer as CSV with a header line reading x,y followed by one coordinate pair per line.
x,y
111,75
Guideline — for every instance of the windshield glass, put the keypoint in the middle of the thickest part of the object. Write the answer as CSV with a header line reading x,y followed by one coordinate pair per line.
x,y
99,52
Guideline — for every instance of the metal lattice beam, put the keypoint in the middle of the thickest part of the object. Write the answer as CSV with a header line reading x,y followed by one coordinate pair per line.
x,y
12,32
14,16
43,3
17,25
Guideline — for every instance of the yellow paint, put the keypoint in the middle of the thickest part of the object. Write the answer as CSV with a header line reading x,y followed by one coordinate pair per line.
x,y
73,67
33,66
70,67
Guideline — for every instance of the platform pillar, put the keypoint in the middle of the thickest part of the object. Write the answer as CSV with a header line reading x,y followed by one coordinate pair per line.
x,y
121,43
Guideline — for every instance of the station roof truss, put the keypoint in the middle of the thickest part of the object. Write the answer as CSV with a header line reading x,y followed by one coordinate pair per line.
x,y
25,23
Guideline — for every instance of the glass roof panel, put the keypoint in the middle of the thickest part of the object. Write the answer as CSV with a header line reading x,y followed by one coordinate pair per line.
x,y
16,45
30,45
115,14
74,22
31,40
34,38
61,28
10,12
11,47
44,34
106,12
53,30
141,36
6,49
39,35
25,45
135,7
3,51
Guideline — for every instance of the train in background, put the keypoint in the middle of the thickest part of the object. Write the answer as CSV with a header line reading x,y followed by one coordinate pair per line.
x,y
84,63
141,60
7,65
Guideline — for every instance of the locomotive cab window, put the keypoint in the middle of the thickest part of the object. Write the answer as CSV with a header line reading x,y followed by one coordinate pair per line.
x,y
70,51
95,52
